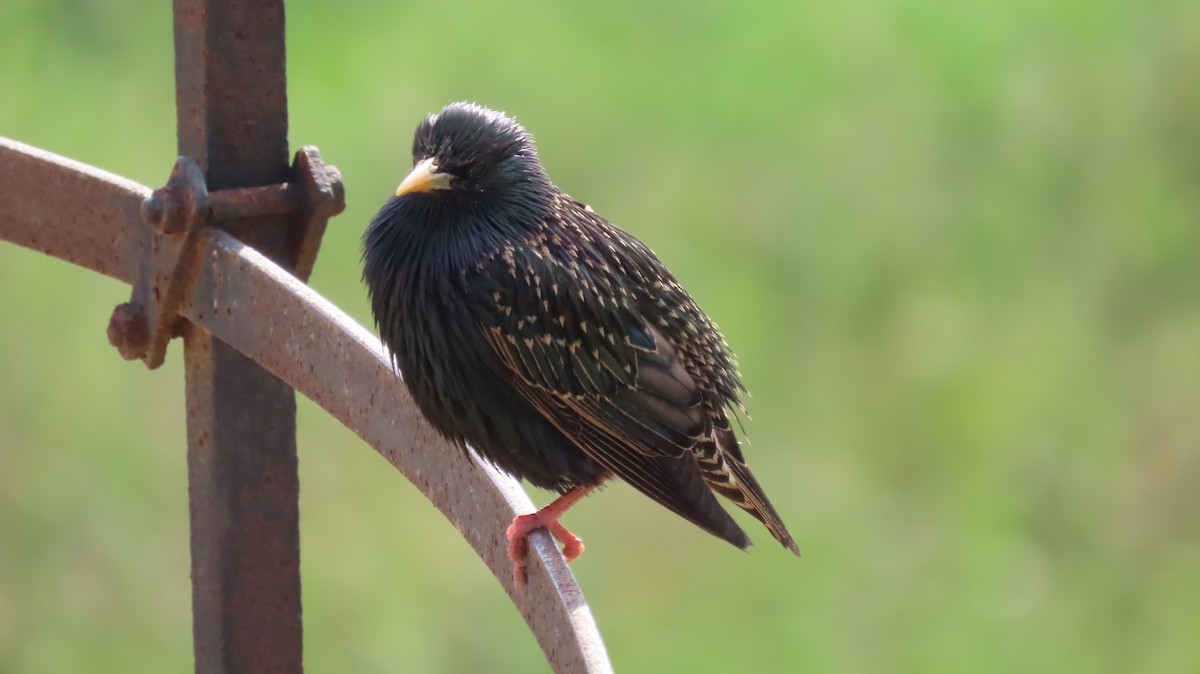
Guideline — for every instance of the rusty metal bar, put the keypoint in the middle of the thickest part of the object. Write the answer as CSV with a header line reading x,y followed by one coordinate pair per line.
x,y
70,210
89,217
243,473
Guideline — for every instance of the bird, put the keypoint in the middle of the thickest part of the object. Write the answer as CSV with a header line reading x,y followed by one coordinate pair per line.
x,y
554,343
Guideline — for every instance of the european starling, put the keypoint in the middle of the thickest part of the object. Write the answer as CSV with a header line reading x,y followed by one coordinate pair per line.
x,y
553,342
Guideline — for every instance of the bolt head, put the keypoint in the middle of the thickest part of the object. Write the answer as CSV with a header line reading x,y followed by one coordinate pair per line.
x,y
129,331
154,211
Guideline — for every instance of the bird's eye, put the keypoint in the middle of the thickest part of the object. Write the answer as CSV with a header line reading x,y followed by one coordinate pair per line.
x,y
461,172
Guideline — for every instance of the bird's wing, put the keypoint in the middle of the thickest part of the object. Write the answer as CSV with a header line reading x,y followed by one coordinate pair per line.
x,y
574,345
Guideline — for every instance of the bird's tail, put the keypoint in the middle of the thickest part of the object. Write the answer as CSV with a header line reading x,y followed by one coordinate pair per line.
x,y
729,476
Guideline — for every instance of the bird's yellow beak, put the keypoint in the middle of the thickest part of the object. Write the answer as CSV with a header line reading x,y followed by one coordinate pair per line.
x,y
424,177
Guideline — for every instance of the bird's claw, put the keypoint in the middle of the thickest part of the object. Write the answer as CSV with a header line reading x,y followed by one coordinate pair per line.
x,y
520,577
518,544
572,545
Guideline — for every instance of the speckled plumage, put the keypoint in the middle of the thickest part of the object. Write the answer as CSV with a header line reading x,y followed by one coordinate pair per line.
x,y
553,342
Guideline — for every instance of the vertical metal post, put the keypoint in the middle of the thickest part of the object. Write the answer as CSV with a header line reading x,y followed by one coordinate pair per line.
x,y
243,483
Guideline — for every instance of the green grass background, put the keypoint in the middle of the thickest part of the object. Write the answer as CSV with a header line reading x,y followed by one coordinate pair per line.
x,y
953,244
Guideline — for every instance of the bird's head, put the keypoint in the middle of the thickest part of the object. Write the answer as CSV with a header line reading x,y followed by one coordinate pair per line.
x,y
476,185
469,153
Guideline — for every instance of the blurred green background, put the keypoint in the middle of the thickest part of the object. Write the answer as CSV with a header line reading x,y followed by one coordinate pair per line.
x,y
954,245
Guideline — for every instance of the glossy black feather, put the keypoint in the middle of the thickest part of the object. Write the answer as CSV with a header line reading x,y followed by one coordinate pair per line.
x,y
553,342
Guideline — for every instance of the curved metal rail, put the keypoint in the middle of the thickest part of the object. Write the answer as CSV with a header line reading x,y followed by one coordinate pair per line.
x,y
93,219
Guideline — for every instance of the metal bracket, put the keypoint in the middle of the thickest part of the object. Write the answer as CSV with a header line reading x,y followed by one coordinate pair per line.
x,y
178,212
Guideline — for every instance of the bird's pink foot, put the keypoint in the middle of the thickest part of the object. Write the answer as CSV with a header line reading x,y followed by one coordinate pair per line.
x,y
518,533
